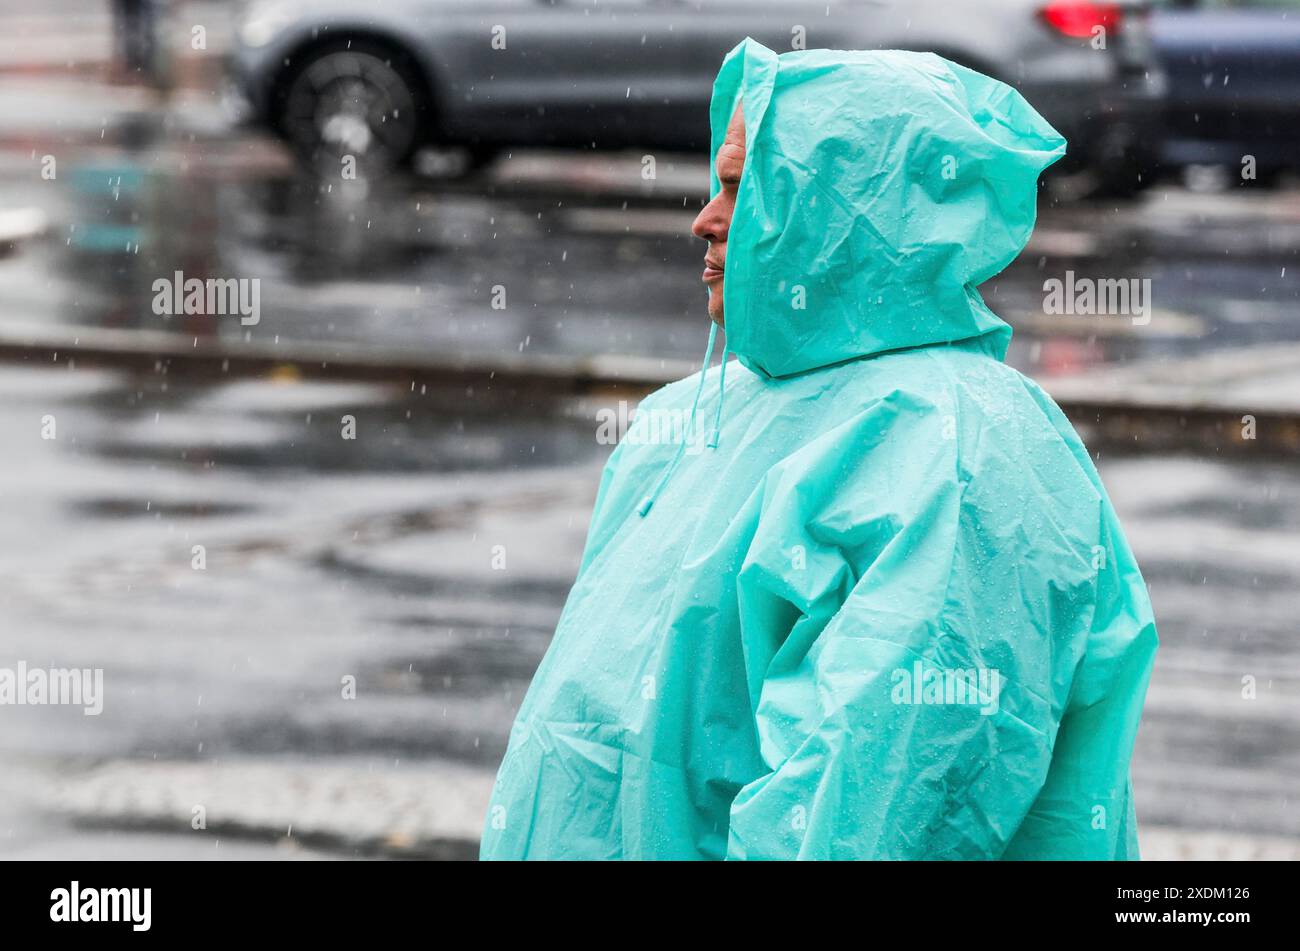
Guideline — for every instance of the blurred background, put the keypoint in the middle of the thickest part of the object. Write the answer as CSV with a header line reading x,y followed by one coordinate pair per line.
x,y
319,551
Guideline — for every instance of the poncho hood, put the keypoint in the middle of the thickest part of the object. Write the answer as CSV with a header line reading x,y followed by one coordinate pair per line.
x,y
879,190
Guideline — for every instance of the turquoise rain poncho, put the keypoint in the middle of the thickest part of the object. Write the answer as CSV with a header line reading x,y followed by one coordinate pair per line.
x,y
879,607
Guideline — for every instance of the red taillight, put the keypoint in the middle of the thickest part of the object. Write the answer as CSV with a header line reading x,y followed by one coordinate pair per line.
x,y
1080,19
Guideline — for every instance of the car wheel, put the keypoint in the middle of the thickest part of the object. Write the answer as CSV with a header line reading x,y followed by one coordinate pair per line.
x,y
360,101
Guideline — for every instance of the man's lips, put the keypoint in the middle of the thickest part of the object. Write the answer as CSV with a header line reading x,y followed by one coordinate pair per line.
x,y
711,271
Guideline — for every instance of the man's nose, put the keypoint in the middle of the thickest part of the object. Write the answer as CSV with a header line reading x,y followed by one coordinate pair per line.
x,y
710,224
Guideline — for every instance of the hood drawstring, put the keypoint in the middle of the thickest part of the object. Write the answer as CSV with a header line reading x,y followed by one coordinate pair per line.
x,y
722,392
648,502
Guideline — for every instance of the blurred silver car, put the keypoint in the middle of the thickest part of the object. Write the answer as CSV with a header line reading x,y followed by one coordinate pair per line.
x,y
379,79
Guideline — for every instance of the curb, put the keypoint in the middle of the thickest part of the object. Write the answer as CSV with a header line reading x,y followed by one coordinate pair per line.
x,y
1139,407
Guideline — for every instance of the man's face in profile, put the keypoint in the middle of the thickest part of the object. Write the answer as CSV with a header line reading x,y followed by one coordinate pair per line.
x,y
714,220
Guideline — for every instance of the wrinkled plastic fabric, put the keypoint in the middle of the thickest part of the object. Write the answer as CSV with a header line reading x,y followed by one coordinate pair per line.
x,y
747,670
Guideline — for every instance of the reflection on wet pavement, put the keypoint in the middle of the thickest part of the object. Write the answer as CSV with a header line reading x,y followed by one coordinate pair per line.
x,y
502,264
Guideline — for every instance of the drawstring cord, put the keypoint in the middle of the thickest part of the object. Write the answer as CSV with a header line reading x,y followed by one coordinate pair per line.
x,y
722,392
648,502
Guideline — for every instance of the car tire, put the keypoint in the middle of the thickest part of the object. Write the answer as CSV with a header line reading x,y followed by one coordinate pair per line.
x,y
354,99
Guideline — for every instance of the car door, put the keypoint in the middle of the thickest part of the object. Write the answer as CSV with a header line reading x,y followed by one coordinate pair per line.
x,y
642,71
714,27
575,73
1234,75
609,73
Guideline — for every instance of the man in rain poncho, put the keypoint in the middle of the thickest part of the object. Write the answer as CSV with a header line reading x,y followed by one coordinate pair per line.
x,y
885,609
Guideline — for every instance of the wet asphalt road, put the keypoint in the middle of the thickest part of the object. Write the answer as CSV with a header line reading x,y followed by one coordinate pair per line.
x,y
379,558
429,558
325,559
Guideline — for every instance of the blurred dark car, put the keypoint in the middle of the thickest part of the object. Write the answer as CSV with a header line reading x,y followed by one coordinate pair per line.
x,y
378,80
1233,68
